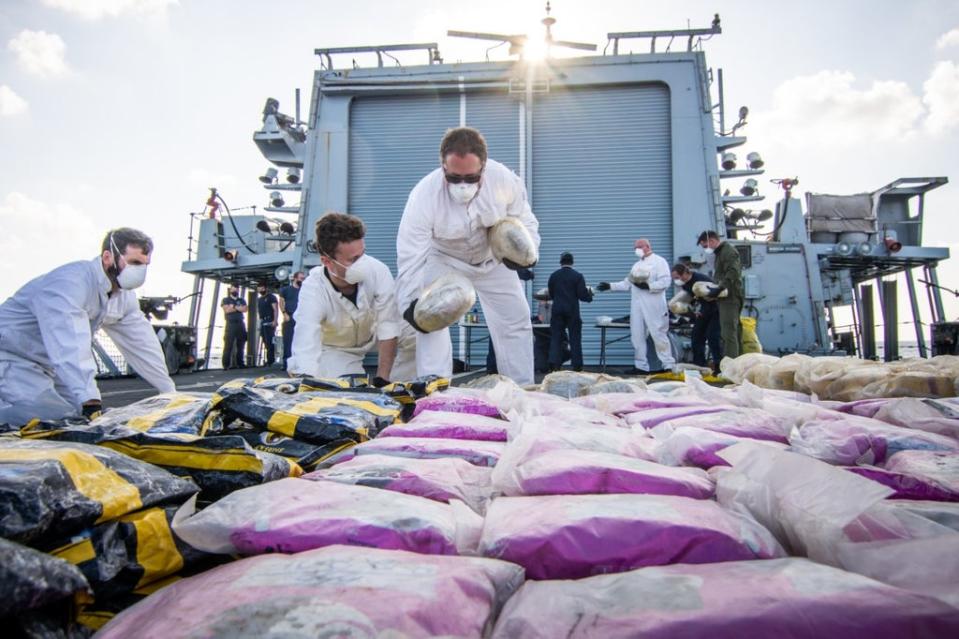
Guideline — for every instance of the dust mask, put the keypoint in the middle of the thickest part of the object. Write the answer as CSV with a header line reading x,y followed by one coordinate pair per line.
x,y
708,251
640,253
678,283
463,193
356,272
132,276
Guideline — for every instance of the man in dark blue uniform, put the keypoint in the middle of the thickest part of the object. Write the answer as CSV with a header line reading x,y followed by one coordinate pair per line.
x,y
268,313
706,313
567,288
289,298
234,335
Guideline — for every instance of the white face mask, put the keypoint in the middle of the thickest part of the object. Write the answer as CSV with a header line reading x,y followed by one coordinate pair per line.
x,y
132,276
708,251
678,282
463,192
358,271
640,253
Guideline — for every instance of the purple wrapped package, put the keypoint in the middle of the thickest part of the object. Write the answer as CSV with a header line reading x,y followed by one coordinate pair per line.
x,y
689,446
458,400
540,434
475,452
451,426
623,404
906,486
649,418
939,416
791,597
440,479
581,472
339,591
752,423
292,515
573,536
859,440
936,467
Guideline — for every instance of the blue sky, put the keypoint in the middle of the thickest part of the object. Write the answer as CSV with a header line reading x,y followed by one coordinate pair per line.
x,y
122,112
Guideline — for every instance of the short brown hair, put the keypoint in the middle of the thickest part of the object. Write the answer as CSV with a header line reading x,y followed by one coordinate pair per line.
x,y
124,237
463,141
681,269
335,228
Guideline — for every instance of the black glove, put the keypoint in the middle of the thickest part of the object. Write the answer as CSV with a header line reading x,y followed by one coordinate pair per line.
x,y
513,266
379,382
92,409
715,291
642,286
408,316
603,286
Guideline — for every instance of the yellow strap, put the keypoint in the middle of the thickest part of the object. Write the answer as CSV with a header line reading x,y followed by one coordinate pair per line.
x,y
149,420
94,619
76,553
156,551
237,460
284,421
90,476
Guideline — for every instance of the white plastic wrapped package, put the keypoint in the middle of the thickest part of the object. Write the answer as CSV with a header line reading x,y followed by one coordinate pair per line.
x,y
509,239
339,591
451,426
458,400
735,369
859,440
574,536
640,273
804,502
936,467
444,302
570,384
789,597
701,290
689,446
293,515
679,304
939,512
477,453
580,472
752,423
540,434
442,479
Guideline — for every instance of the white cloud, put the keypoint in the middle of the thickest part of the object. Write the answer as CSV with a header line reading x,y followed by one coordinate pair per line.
x,y
206,179
828,110
949,39
39,52
10,102
96,9
941,96
32,229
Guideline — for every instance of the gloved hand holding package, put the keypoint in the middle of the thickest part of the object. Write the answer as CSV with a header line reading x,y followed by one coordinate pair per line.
x,y
512,244
679,303
639,274
442,303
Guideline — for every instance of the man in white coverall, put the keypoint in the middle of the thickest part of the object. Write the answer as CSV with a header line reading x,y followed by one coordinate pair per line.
x,y
444,228
346,308
648,310
47,368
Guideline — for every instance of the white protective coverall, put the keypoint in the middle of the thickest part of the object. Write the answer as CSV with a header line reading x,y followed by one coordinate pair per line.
x,y
438,235
47,369
332,334
648,312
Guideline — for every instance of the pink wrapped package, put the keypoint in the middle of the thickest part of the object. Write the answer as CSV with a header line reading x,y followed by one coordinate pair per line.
x,y
539,434
581,472
292,515
478,453
936,467
752,423
790,597
648,418
689,446
859,440
458,400
440,479
451,426
340,591
574,536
